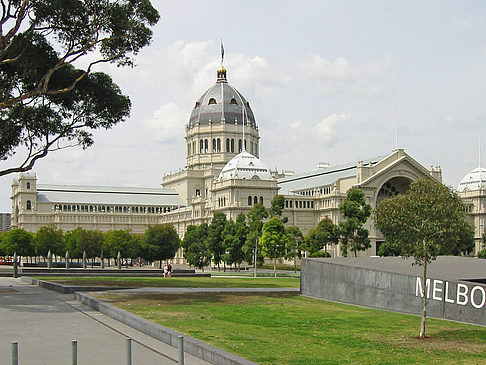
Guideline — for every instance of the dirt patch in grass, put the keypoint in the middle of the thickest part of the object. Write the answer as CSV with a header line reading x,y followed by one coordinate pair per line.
x,y
142,299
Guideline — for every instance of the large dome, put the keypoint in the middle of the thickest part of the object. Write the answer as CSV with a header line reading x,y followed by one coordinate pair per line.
x,y
222,103
245,166
473,180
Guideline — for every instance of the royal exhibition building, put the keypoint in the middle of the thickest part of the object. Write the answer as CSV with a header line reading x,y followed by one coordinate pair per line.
x,y
224,173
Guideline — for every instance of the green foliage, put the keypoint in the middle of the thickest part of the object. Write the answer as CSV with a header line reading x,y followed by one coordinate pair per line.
x,y
255,224
46,102
196,251
295,245
326,233
389,249
18,241
356,212
215,237
274,240
319,254
122,241
49,238
80,240
234,237
277,206
482,253
162,242
427,221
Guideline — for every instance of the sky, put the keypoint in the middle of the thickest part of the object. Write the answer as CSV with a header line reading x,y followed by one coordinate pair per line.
x,y
328,81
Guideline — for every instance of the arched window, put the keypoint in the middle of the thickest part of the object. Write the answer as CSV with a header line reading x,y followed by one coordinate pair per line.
x,y
240,145
249,200
227,145
193,148
188,149
255,200
201,146
28,185
197,104
214,145
233,101
219,144
232,145
29,205
245,144
261,200
212,101
206,146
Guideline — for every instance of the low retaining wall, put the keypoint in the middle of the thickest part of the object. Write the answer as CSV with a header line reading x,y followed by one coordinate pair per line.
x,y
456,300
192,346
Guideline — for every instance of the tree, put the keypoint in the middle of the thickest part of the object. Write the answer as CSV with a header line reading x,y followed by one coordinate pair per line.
x,y
356,211
162,242
196,251
234,238
255,224
18,241
295,244
274,239
49,238
389,249
426,221
118,241
47,103
215,237
277,206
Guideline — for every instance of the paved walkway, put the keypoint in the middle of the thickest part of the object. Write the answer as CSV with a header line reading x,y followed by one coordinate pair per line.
x,y
44,323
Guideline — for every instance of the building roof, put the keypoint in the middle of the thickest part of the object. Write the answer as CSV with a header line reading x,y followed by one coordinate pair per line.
x,y
78,194
222,102
245,166
473,180
321,176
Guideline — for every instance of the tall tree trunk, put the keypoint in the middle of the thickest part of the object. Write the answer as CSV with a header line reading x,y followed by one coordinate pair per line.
x,y
425,291
275,267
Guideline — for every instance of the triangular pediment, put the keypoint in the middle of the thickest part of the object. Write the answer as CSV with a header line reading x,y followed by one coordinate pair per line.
x,y
403,166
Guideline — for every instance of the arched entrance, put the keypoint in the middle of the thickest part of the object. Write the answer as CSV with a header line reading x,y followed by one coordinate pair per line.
x,y
392,187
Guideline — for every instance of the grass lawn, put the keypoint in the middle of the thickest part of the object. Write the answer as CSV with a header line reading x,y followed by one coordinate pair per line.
x,y
179,282
291,329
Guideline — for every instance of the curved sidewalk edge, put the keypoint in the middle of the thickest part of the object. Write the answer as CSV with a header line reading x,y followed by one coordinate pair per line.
x,y
192,346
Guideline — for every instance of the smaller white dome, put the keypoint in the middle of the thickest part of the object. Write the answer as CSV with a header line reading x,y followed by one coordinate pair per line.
x,y
474,180
245,166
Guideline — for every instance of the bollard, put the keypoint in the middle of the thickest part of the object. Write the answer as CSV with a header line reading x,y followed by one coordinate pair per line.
x,y
84,260
15,353
129,351
74,347
15,266
181,350
49,260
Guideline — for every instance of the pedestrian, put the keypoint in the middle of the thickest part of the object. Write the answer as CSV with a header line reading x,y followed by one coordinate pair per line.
x,y
169,270
166,270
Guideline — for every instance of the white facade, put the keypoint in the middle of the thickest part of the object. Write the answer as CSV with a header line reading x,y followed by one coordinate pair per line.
x,y
224,173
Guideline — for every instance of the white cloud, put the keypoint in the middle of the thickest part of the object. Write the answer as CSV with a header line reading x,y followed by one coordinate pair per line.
x,y
340,75
167,123
325,129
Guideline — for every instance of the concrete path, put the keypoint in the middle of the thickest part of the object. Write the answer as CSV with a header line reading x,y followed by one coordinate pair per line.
x,y
44,323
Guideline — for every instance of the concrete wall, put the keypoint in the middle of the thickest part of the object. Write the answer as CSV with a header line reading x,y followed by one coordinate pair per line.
x,y
455,300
